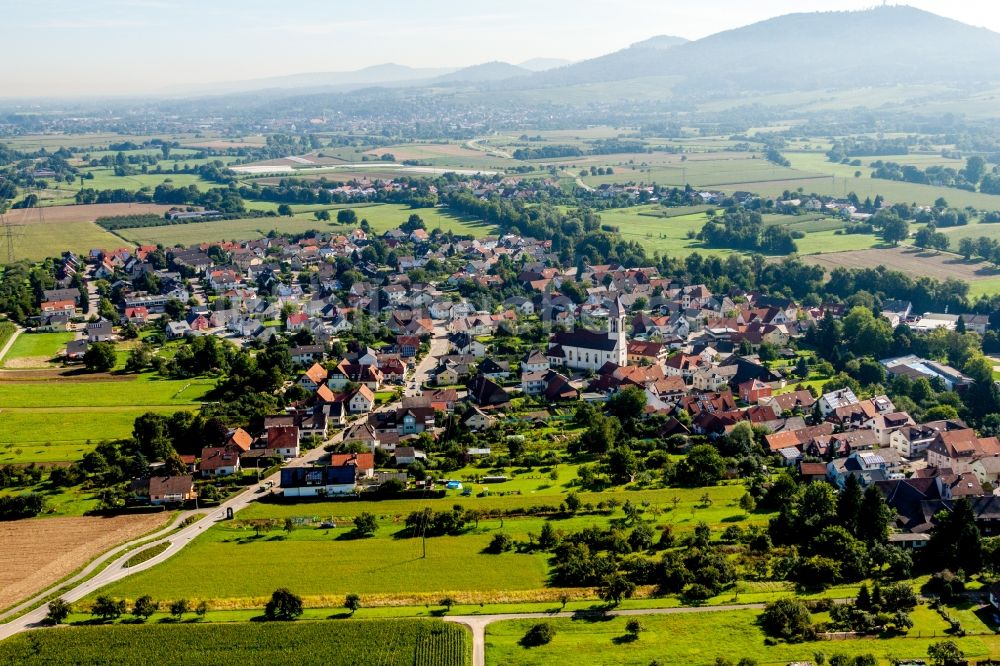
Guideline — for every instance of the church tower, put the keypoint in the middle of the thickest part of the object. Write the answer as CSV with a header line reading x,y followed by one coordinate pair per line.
x,y
616,330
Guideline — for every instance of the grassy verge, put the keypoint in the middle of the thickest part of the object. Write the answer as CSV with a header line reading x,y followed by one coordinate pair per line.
x,y
147,554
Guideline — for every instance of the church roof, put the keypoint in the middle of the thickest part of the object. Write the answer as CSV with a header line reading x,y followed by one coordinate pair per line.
x,y
585,340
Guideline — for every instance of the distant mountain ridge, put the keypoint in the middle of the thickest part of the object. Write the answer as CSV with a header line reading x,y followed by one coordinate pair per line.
x,y
487,71
886,45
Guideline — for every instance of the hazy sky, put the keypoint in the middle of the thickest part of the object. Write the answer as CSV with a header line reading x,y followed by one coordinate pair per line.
x,y
58,47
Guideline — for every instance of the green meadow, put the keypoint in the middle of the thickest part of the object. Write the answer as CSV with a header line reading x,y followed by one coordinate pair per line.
x,y
701,638
381,217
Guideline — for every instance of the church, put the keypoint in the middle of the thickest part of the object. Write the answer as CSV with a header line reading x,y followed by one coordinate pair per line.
x,y
588,350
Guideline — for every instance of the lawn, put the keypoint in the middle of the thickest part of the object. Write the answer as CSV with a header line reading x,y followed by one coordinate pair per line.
x,y
381,217
105,179
694,638
332,643
36,348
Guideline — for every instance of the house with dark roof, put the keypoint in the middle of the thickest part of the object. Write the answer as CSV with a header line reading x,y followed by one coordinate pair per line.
x,y
318,481
486,393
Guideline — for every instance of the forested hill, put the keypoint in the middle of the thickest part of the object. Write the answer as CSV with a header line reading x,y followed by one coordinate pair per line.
x,y
895,45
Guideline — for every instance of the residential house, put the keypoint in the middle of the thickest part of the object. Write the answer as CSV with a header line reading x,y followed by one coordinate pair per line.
x,y
219,461
284,441
477,419
753,391
486,393
313,378
833,400
318,481
363,401
534,361
171,489
100,331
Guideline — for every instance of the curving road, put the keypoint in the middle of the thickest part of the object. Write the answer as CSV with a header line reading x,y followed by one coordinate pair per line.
x,y
177,538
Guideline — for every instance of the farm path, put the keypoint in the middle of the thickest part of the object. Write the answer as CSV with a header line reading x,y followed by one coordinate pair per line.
x,y
10,343
478,623
474,144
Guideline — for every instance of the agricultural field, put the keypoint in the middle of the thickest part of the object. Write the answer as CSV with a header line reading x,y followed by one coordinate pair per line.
x,y
649,226
34,350
39,424
982,277
701,637
38,553
390,567
381,217
48,232
332,643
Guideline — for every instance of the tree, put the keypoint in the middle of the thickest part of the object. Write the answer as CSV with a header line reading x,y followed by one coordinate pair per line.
x,y
352,603
786,618
945,653
703,466
347,216
538,634
955,539
623,464
179,607
448,602
201,610
107,608
285,210
616,587
322,215
100,356
895,230
365,524
500,543
874,518
284,605
59,610
144,607
849,504
627,403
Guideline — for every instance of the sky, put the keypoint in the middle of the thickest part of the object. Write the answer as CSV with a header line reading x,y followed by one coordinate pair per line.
x,y
57,48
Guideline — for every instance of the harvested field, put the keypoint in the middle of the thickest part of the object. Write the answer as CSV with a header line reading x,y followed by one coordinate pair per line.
x,y
48,232
910,260
223,144
423,151
61,374
82,213
40,552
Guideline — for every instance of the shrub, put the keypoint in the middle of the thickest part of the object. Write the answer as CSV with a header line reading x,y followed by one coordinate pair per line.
x,y
501,543
539,634
786,618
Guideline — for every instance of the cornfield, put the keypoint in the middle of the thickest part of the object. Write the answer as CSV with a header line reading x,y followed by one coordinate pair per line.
x,y
332,643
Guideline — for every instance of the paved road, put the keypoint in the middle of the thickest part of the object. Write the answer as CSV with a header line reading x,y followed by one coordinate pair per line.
x,y
478,623
422,373
177,538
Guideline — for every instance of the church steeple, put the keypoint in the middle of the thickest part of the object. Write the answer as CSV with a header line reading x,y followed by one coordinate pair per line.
x,y
616,319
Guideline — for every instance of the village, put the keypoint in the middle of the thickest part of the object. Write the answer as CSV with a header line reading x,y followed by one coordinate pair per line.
x,y
387,359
